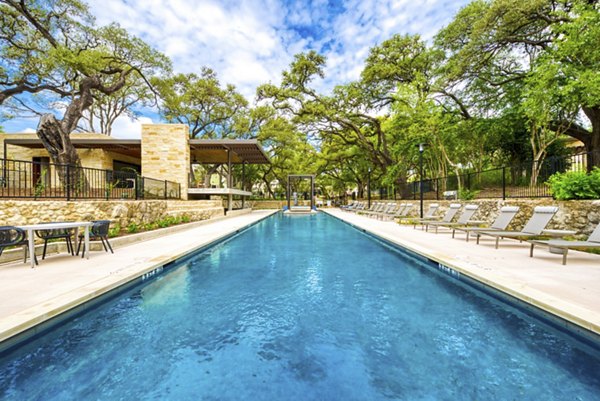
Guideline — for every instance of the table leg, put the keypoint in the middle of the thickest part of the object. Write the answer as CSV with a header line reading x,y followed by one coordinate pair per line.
x,y
87,241
31,247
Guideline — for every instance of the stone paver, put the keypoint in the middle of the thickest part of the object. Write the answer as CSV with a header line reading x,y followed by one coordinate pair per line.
x,y
571,292
31,296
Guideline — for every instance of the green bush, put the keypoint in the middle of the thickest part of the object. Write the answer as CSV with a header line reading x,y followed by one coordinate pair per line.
x,y
575,185
467,194
114,230
133,228
150,226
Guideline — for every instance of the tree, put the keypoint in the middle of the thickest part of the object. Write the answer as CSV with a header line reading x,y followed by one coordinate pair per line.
x,y
199,101
54,47
105,110
494,45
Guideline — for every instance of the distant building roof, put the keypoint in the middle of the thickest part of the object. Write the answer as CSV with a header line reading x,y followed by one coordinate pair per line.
x,y
206,151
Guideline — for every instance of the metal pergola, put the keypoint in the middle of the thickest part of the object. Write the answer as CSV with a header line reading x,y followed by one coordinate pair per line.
x,y
312,188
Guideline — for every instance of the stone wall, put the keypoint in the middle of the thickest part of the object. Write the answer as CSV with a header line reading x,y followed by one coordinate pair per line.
x,y
121,212
166,153
582,216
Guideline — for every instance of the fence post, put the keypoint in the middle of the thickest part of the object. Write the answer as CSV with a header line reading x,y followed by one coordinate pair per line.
x,y
68,182
503,183
136,184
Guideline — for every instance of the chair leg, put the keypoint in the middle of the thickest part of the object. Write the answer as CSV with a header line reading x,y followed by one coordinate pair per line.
x,y
531,250
565,256
103,244
497,240
108,243
78,247
44,253
72,247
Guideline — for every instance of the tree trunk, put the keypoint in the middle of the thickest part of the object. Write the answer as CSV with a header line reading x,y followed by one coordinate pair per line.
x,y
594,147
63,154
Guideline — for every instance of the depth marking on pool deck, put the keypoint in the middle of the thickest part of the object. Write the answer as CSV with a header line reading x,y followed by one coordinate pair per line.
x,y
61,283
571,292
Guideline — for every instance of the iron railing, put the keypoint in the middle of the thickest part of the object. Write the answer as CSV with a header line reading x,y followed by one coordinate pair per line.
x,y
527,180
37,180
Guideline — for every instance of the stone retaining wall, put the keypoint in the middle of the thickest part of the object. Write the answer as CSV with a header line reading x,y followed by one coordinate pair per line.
x,y
17,212
582,215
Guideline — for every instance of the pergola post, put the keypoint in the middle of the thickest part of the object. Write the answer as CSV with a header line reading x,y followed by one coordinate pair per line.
x,y
229,181
243,181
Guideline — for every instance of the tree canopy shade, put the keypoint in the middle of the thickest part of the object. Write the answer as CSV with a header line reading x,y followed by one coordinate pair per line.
x,y
549,48
54,47
200,102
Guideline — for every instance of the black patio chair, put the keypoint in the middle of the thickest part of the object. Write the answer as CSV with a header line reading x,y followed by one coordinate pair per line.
x,y
56,233
14,236
98,230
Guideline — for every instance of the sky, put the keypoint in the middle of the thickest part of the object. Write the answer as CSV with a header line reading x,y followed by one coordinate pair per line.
x,y
248,43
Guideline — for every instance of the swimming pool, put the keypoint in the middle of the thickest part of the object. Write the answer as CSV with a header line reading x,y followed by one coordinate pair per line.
x,y
302,308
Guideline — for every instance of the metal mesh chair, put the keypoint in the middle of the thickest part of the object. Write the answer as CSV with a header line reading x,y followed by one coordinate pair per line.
x,y
98,230
14,236
57,233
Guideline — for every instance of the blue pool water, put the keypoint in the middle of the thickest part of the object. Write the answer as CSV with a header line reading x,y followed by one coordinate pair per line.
x,y
301,308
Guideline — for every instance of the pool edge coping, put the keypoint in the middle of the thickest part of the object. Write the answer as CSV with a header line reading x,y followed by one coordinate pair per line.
x,y
31,321
544,305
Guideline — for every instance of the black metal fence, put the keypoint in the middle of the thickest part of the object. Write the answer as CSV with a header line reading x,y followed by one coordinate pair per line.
x,y
25,179
527,180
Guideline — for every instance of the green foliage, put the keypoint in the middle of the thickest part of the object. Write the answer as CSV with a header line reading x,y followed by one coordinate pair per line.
x,y
114,231
211,111
40,185
467,194
575,185
133,228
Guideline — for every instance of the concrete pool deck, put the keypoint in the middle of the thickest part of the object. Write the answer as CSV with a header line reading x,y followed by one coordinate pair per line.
x,y
29,297
571,292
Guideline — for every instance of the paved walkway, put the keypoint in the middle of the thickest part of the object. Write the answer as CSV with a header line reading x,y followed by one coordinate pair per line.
x,y
31,296
571,291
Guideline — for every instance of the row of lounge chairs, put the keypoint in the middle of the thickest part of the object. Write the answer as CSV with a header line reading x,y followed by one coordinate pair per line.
x,y
534,230
382,210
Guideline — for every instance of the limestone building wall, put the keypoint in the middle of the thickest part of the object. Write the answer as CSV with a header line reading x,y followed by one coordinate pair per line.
x,y
166,153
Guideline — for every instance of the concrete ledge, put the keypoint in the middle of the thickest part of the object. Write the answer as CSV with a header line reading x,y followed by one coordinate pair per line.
x,y
63,283
238,212
570,292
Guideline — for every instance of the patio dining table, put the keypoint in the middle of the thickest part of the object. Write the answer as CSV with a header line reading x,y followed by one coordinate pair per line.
x,y
54,226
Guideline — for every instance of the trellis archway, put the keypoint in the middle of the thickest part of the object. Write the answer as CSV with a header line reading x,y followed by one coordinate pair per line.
x,y
298,177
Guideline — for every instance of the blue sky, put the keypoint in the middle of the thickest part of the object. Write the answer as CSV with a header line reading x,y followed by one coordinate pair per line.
x,y
250,42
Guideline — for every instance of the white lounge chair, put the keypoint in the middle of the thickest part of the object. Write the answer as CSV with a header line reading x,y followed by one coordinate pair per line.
x,y
507,213
428,216
534,227
593,241
450,213
463,219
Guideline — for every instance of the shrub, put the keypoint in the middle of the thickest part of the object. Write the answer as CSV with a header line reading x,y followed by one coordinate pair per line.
x,y
150,226
467,194
575,185
114,230
133,228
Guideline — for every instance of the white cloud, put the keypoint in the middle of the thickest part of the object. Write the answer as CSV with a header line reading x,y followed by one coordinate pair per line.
x,y
126,128
250,42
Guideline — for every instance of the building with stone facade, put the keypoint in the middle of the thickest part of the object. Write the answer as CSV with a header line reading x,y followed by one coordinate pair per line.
x,y
164,152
